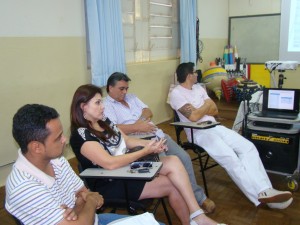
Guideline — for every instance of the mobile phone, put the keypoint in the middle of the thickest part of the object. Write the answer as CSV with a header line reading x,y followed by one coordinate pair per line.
x,y
205,123
143,170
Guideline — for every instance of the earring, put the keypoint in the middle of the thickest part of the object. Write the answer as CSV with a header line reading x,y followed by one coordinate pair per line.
x,y
84,116
103,117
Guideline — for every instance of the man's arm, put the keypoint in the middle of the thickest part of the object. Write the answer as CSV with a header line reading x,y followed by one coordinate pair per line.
x,y
142,125
194,114
146,114
85,207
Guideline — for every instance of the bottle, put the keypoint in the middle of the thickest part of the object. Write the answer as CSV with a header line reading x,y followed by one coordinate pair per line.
x,y
236,55
225,56
230,55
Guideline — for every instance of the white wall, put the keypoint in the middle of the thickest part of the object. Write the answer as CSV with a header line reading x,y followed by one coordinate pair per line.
x,y
213,29
213,17
46,18
42,60
253,7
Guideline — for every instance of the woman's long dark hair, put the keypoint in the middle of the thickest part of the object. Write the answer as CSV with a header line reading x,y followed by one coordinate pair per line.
x,y
84,94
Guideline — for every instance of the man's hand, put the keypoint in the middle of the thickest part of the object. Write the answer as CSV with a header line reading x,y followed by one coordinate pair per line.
x,y
93,197
145,126
82,198
69,213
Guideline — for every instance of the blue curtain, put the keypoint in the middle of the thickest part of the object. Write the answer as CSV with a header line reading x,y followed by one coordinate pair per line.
x,y
188,20
105,38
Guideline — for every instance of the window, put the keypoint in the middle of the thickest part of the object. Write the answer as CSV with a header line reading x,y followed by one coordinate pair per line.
x,y
151,30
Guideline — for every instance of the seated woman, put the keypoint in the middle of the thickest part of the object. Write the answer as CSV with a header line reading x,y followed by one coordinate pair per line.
x,y
98,142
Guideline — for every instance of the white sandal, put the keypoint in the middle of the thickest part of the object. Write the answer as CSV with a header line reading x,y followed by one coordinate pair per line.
x,y
194,215
198,213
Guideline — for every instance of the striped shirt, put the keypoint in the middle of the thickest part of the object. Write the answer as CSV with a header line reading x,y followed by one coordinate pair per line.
x,y
120,114
35,197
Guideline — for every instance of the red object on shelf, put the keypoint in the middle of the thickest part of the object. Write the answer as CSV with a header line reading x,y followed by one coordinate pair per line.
x,y
227,88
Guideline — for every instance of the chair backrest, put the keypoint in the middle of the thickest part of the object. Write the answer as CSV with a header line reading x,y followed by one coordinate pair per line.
x,y
79,167
18,222
184,144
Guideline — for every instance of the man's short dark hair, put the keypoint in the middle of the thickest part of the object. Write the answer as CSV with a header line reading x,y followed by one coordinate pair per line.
x,y
29,124
114,78
183,70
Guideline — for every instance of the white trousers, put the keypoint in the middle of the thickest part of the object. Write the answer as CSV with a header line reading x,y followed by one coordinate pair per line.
x,y
238,156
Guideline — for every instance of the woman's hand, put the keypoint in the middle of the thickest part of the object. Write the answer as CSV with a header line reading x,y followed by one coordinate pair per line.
x,y
155,146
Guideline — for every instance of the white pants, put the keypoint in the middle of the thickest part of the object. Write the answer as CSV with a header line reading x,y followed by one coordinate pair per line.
x,y
238,156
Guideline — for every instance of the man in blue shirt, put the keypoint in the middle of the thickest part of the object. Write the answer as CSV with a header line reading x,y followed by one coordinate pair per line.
x,y
134,117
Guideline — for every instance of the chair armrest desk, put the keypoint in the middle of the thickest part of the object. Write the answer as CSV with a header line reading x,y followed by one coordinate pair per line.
x,y
123,173
194,125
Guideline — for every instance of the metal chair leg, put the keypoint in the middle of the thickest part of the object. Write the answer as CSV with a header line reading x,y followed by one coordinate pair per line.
x,y
202,170
166,211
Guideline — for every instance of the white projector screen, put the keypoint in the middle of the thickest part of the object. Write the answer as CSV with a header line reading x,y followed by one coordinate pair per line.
x,y
289,48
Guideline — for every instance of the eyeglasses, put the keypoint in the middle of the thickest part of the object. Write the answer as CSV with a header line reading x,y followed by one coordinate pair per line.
x,y
136,165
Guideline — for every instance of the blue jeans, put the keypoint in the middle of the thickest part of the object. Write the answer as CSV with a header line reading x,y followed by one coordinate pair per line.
x,y
105,218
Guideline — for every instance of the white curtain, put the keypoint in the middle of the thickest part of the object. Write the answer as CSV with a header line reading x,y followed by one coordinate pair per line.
x,y
105,38
188,20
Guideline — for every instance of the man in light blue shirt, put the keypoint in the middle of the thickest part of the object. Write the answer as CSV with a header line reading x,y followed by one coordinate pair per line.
x,y
134,117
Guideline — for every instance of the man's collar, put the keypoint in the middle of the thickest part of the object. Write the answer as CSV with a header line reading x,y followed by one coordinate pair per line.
x,y
108,98
113,100
26,166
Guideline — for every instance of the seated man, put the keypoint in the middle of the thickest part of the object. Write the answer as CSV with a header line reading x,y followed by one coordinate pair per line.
x,y
42,187
233,152
133,116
